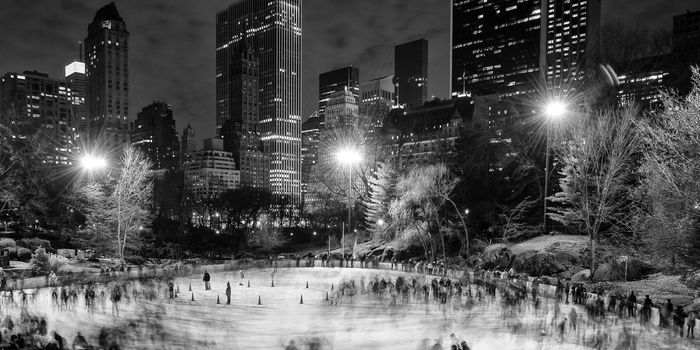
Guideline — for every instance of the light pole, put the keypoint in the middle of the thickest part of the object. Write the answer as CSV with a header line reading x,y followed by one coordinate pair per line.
x,y
553,111
348,157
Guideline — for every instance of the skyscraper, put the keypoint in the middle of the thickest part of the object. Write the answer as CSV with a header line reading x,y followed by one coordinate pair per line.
x,y
188,144
38,108
573,35
241,131
496,46
411,72
76,82
346,78
156,136
515,47
272,29
107,70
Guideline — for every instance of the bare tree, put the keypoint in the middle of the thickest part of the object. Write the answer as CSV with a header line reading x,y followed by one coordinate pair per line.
x,y
596,152
511,219
131,197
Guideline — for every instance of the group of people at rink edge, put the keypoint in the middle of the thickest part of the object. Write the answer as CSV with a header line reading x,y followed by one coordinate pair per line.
x,y
427,283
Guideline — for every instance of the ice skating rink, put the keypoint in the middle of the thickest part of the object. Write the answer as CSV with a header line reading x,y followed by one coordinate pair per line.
x,y
360,322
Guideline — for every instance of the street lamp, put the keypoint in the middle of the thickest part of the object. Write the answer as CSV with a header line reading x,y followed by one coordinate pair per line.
x,y
91,162
554,110
348,157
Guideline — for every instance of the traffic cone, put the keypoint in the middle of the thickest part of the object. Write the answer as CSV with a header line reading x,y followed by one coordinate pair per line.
x,y
259,302
301,299
190,287
307,284
248,283
192,296
217,299
326,295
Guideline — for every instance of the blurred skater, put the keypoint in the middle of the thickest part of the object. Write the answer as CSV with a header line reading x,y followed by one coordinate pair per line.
x,y
228,293
206,279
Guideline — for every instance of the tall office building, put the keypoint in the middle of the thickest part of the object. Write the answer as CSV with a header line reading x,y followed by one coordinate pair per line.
x,y
496,46
411,72
107,70
39,108
241,132
76,82
573,36
514,47
376,99
272,29
346,78
156,136
188,144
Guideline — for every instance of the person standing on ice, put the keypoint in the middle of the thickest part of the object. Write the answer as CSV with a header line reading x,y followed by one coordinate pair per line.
x,y
206,280
242,278
228,293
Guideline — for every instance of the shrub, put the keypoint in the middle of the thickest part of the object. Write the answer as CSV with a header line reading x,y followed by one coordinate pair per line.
x,y
56,261
40,261
7,242
24,254
12,253
135,260
34,243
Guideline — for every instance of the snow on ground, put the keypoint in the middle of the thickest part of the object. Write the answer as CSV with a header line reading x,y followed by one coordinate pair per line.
x,y
363,323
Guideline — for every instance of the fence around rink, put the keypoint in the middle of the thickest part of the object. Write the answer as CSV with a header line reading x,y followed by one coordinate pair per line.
x,y
181,270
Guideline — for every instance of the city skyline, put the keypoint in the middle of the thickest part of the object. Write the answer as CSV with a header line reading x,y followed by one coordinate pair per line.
x,y
327,44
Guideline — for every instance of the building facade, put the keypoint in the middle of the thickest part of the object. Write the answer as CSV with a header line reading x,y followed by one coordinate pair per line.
x,y
376,99
38,107
411,72
428,134
107,69
210,172
76,81
156,136
188,144
272,29
346,78
517,47
572,41
241,132
310,138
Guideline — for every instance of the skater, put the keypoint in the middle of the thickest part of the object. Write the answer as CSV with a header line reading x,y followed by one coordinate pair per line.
x,y
206,278
228,293
242,277
291,346
679,320
631,304
566,290
691,325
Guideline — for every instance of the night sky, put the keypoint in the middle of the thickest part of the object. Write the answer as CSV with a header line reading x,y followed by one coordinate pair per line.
x,y
172,42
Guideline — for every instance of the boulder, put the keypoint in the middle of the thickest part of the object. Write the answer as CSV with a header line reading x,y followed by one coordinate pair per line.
x,y
693,280
496,257
605,272
536,263
581,276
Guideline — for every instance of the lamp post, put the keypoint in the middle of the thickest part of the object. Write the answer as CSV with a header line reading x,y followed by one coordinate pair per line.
x,y
553,111
348,157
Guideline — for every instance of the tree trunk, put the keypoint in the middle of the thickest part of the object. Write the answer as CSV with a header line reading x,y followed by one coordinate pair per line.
x,y
464,225
592,257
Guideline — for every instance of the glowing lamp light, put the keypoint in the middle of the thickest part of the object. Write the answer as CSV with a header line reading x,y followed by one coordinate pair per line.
x,y
380,222
90,162
348,156
555,109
